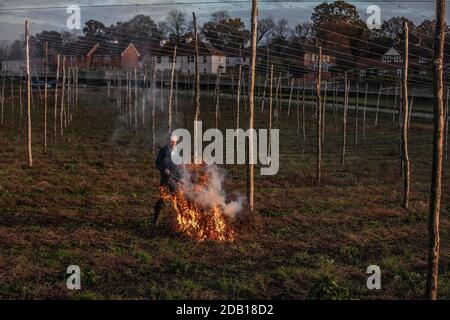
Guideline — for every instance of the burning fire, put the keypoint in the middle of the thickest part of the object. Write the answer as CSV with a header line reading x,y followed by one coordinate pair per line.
x,y
195,218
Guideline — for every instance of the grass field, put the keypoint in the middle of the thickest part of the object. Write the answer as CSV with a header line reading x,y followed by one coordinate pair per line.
x,y
89,201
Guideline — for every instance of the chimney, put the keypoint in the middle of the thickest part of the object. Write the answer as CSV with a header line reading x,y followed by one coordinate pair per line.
x,y
162,43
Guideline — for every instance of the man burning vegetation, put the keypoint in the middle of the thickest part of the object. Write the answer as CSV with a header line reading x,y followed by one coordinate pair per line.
x,y
169,171
195,192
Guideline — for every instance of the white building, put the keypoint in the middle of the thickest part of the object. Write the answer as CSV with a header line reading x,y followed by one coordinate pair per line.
x,y
211,60
237,57
17,67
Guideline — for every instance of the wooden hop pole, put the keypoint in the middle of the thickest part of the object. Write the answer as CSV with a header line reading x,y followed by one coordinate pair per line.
x,y
438,141
405,123
251,92
62,95
56,99
319,120
45,96
344,119
27,57
172,73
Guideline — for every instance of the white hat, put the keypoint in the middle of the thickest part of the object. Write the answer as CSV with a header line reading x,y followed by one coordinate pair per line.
x,y
173,138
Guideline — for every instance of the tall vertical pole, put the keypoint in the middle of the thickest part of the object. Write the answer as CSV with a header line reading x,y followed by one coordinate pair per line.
x,y
319,120
438,142
27,57
251,92
56,99
196,90
344,119
45,96
174,59
405,122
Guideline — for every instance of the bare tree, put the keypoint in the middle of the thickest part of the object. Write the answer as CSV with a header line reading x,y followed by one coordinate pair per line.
x,y
265,28
177,22
438,142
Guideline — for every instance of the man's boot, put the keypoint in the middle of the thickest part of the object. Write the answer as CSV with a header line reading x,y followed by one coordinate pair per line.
x,y
157,209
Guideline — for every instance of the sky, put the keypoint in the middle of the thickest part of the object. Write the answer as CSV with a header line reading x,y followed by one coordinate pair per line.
x,y
51,14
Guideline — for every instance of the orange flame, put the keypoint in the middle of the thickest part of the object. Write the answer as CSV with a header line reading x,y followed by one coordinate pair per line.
x,y
194,220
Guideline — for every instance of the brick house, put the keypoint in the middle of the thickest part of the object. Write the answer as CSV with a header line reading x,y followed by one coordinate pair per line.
x,y
303,59
98,56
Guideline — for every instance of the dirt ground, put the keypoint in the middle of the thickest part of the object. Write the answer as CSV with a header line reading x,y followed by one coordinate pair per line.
x,y
89,200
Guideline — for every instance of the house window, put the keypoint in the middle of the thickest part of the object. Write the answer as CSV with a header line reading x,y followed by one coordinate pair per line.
x,y
398,59
158,59
362,73
423,60
386,58
204,70
205,59
399,72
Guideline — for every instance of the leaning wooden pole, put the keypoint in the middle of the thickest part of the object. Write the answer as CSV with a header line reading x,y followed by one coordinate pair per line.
x,y
319,120
304,116
27,59
135,101
269,149
446,123
238,97
438,143
197,72
344,120
251,106
3,97
45,96
364,112
55,114
153,99
172,73
63,84
355,142
197,157
405,123
378,105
